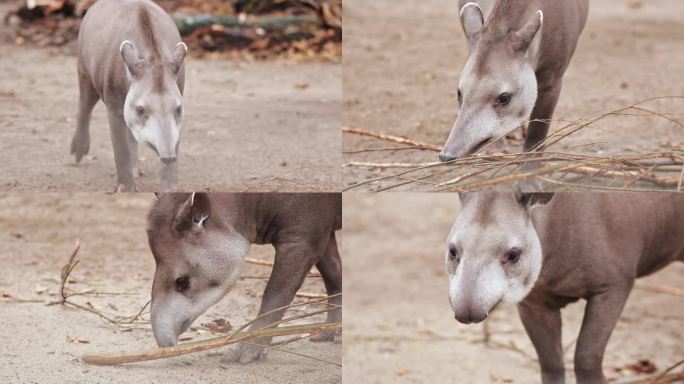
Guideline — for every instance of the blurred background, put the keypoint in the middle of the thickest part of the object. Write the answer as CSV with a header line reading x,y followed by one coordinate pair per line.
x,y
399,326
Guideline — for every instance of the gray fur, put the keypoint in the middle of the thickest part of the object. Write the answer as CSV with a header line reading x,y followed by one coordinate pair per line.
x,y
205,237
523,48
130,56
593,246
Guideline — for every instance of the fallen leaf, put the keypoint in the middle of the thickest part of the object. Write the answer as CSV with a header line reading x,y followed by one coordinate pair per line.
x,y
219,326
301,85
37,289
402,371
77,340
501,379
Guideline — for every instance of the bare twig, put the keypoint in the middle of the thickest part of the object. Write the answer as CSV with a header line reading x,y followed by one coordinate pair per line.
x,y
393,138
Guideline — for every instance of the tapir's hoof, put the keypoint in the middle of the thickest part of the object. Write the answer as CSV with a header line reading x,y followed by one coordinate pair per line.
x,y
126,188
334,335
80,147
137,172
243,355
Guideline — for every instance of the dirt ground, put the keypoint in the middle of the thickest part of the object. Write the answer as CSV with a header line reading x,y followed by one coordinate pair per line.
x,y
402,60
263,126
37,235
399,327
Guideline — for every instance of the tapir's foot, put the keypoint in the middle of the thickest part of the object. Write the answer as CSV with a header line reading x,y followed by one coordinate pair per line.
x,y
243,354
127,188
137,172
334,335
80,145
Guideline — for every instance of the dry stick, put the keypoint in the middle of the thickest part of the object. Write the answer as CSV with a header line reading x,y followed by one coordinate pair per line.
x,y
203,345
396,139
660,289
235,337
270,263
277,348
68,268
659,377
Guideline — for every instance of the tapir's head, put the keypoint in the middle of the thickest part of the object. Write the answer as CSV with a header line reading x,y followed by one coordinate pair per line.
x,y
493,253
497,88
198,255
153,109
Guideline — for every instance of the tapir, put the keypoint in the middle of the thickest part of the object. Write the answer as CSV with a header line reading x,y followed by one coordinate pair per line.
x,y
544,251
518,53
200,240
130,55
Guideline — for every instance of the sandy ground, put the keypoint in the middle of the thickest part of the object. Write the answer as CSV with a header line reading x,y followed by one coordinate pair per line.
x,y
247,125
402,60
37,234
399,327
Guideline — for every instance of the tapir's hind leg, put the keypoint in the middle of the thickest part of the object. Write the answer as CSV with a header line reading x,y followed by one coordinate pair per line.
x,y
330,267
542,114
88,97
293,261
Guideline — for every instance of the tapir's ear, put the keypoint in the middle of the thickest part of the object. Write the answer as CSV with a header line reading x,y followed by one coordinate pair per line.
x,y
193,213
521,40
178,57
528,199
130,56
472,21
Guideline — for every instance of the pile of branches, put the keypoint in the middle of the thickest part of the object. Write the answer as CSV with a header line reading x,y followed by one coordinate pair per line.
x,y
252,29
542,168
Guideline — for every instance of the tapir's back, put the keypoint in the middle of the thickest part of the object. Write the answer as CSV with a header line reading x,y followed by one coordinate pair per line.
x,y
107,24
605,237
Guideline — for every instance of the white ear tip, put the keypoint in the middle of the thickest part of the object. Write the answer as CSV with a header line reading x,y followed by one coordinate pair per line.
x,y
124,43
192,199
468,5
541,16
182,44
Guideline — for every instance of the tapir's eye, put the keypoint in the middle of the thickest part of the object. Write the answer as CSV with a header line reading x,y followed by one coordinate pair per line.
x,y
182,283
178,110
140,110
513,255
460,97
503,99
453,253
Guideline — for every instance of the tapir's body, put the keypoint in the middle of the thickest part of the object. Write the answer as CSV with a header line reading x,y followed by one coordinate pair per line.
x,y
519,51
130,56
593,246
199,242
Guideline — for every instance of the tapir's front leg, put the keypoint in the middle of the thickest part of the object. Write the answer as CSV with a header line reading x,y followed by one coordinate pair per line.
x,y
123,153
543,325
293,261
548,93
600,316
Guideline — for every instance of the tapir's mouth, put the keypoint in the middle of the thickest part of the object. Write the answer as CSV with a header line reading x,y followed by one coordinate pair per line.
x,y
480,146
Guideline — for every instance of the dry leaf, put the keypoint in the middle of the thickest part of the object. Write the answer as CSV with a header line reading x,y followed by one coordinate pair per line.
x,y
219,326
77,340
301,85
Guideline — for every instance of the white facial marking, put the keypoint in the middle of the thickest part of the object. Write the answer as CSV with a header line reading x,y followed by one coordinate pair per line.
x,y
482,278
219,259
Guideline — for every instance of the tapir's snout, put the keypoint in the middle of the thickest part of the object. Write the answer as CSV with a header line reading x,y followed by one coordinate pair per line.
x,y
443,157
469,317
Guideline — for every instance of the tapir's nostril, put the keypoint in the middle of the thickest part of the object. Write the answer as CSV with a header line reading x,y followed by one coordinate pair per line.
x,y
168,160
443,157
